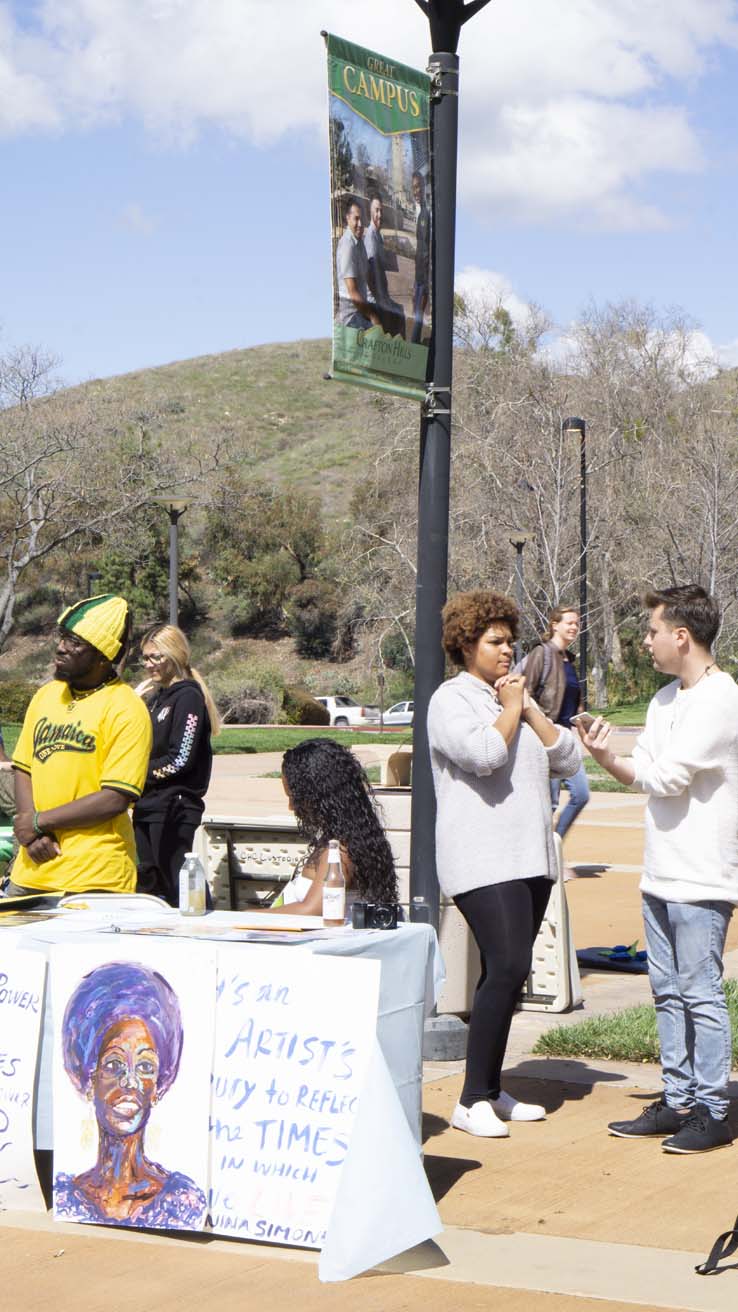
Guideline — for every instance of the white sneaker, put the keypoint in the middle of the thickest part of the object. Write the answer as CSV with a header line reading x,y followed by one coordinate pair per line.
x,y
479,1119
509,1109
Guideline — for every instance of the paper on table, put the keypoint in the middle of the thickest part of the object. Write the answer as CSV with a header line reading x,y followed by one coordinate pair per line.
x,y
22,976
293,1037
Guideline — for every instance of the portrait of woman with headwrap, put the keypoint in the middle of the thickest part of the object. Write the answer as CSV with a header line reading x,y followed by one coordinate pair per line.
x,y
121,1044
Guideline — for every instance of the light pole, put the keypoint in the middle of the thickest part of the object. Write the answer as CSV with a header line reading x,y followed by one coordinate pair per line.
x,y
518,541
570,426
175,508
446,18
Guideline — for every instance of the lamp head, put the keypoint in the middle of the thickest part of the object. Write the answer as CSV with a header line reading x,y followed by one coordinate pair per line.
x,y
573,425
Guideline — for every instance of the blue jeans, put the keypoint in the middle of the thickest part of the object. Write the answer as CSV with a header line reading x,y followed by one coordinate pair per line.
x,y
685,942
578,797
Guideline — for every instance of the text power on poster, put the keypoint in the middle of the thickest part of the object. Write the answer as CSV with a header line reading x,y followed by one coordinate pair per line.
x,y
22,976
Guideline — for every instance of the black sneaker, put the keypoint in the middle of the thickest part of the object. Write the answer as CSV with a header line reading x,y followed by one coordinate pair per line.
x,y
700,1133
657,1119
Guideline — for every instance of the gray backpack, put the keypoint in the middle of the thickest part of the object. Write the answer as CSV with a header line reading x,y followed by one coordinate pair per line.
x,y
545,669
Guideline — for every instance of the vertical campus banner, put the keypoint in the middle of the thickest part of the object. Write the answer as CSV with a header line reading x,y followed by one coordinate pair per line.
x,y
380,156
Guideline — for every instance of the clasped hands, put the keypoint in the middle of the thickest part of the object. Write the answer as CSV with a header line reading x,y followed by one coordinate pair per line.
x,y
40,847
511,691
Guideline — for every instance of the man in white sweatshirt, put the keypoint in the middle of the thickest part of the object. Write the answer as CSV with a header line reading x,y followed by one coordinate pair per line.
x,y
686,760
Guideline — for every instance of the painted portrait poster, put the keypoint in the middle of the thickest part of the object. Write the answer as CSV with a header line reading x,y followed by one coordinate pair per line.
x,y
379,128
133,1042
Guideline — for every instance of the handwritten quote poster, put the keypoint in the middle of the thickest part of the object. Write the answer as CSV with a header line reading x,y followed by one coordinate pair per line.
x,y
22,976
133,1042
293,1038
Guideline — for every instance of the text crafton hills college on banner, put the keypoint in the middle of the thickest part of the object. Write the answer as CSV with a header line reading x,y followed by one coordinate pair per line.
x,y
380,219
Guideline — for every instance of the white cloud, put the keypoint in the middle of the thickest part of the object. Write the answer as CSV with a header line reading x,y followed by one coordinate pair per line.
x,y
485,288
727,354
568,108
135,219
25,102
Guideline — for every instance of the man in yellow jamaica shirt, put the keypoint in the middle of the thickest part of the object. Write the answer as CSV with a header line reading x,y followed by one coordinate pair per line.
x,y
80,761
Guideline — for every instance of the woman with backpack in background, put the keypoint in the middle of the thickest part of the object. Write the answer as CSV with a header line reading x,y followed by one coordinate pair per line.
x,y
553,682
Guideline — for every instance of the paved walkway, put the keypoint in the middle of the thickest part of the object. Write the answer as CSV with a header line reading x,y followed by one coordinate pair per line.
x,y
560,1217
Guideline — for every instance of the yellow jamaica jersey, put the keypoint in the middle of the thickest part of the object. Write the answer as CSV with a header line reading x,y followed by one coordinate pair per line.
x,y
71,746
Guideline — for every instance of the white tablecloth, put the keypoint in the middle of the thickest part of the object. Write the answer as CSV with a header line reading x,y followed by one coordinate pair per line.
x,y
383,1196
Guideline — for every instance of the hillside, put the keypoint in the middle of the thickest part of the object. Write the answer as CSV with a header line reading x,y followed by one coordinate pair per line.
x,y
289,425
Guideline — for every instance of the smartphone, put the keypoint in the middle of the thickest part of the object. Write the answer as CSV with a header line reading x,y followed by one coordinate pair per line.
x,y
583,721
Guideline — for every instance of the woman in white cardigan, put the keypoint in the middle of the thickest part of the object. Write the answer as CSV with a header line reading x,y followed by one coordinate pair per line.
x,y
493,752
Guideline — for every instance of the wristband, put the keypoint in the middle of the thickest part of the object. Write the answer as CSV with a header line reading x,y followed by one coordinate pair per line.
x,y
38,831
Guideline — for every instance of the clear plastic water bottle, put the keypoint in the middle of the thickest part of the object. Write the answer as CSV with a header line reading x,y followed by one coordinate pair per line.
x,y
192,886
334,888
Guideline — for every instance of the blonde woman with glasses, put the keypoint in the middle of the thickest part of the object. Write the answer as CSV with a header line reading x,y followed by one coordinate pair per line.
x,y
183,717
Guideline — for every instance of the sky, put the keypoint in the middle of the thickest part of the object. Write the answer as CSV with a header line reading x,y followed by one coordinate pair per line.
x,y
165,166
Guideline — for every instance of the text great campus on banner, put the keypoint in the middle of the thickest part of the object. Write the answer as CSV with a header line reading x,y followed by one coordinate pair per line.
x,y
379,123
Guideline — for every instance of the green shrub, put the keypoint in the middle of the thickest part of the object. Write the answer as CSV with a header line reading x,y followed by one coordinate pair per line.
x,y
15,694
256,605
300,708
637,681
249,692
395,653
311,617
36,611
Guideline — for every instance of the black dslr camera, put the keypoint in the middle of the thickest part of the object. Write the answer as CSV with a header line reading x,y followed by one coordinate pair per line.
x,y
375,915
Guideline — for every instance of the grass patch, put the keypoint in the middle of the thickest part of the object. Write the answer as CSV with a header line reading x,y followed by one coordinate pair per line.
x,y
599,780
257,739
632,714
278,740
10,736
628,1035
372,772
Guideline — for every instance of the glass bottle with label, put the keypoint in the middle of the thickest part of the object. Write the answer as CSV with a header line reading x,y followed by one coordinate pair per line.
x,y
192,886
334,888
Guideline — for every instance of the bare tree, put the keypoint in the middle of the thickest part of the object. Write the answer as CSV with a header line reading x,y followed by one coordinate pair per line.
x,y
662,473
72,466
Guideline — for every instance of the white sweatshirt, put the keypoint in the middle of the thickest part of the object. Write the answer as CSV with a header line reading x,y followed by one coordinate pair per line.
x,y
687,761
493,801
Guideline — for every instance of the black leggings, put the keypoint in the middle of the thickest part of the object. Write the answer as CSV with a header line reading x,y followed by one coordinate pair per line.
x,y
161,846
504,919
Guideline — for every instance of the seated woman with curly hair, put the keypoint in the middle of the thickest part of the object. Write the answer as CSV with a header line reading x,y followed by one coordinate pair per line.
x,y
492,752
331,797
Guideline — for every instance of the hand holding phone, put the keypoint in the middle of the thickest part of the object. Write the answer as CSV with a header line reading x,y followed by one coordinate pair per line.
x,y
583,721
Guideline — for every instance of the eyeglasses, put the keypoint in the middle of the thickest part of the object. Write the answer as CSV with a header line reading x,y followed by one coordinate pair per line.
x,y
70,642
153,658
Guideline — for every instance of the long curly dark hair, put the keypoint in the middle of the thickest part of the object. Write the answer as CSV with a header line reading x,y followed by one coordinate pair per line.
x,y
331,797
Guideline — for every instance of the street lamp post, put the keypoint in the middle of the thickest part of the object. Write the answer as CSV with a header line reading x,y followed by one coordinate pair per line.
x,y
518,541
175,508
446,18
578,426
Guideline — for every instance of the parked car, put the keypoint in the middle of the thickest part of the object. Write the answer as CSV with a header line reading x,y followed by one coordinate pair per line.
x,y
344,711
400,713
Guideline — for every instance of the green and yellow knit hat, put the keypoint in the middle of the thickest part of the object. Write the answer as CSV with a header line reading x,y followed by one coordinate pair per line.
x,y
101,621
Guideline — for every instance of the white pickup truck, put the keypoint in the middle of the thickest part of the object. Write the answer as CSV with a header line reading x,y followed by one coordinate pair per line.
x,y
345,712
